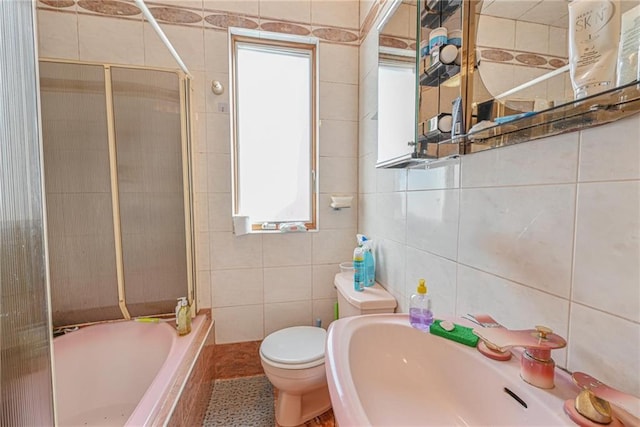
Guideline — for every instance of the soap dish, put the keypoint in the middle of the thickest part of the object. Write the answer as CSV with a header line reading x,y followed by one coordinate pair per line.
x,y
460,334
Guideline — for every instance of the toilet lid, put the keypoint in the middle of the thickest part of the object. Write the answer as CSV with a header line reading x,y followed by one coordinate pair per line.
x,y
295,345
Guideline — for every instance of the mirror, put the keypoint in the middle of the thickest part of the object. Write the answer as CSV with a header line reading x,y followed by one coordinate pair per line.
x,y
513,59
522,56
396,114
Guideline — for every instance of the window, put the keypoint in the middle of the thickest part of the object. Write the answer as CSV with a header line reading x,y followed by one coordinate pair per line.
x,y
274,130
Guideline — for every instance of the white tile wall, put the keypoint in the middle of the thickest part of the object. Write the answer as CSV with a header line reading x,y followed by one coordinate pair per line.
x,y
284,284
239,323
338,101
298,11
432,217
496,32
338,138
605,346
442,177
367,173
388,180
285,314
237,287
338,63
246,7
338,174
218,131
532,37
545,161
187,41
58,34
286,249
524,234
117,41
216,50
340,13
392,216
333,246
369,133
607,253
228,251
219,212
610,153
218,173
323,276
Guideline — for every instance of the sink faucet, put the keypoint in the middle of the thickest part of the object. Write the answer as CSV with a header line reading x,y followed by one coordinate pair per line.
x,y
536,365
601,404
486,321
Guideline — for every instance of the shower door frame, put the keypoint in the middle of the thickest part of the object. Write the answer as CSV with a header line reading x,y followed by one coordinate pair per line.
x,y
185,89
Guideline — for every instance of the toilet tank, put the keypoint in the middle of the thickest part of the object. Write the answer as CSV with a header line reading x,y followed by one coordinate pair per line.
x,y
374,299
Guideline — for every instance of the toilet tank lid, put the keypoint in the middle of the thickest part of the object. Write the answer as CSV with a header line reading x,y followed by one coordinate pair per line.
x,y
372,298
295,345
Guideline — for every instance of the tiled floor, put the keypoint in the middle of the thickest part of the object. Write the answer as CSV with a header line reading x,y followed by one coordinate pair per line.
x,y
243,360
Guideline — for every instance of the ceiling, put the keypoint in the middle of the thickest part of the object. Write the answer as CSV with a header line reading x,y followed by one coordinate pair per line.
x,y
548,12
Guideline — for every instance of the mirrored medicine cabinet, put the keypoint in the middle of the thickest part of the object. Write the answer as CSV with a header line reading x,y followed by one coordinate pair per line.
x,y
510,73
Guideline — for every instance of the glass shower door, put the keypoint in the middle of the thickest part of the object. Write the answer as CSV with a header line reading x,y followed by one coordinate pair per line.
x,y
84,285
146,108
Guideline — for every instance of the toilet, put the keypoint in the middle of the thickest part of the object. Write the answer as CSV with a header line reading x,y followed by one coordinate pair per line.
x,y
293,358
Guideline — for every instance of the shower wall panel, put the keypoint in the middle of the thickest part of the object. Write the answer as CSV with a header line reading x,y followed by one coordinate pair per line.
x,y
26,395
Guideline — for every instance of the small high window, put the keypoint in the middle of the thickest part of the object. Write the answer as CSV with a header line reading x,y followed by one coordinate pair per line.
x,y
274,111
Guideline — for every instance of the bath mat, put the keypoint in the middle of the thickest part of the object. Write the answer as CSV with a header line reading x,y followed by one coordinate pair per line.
x,y
246,401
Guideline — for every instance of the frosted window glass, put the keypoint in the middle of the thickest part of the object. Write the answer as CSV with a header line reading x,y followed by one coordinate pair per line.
x,y
274,134
396,109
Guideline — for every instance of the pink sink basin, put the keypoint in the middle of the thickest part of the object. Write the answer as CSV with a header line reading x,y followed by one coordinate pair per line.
x,y
383,372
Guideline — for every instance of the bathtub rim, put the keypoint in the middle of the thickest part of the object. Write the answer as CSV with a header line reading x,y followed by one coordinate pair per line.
x,y
159,409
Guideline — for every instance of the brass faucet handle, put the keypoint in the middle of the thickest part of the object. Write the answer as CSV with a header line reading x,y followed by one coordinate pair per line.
x,y
625,406
627,401
543,331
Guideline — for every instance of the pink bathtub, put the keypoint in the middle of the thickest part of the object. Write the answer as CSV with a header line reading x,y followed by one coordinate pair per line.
x,y
123,373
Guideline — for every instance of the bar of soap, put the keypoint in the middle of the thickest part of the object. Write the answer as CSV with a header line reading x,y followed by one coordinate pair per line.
x,y
447,326
460,333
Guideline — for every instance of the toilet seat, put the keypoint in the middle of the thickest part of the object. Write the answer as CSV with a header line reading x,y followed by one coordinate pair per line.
x,y
297,347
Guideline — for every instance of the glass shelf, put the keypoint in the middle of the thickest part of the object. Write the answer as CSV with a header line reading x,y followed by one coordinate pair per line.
x,y
435,17
594,110
438,73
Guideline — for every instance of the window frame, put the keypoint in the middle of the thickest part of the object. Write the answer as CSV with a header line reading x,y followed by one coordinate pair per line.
x,y
261,39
